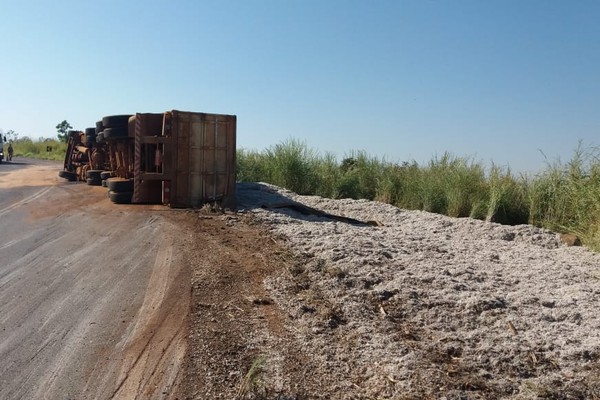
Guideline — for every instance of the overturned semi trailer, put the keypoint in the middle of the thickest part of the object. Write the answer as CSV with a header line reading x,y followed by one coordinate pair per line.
x,y
183,159
177,158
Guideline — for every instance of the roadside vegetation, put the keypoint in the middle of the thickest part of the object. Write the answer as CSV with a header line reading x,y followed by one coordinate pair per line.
x,y
46,149
565,197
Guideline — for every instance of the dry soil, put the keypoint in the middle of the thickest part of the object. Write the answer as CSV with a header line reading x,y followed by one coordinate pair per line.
x,y
412,305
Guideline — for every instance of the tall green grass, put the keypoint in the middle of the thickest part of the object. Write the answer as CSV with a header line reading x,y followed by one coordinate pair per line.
x,y
564,197
291,165
26,147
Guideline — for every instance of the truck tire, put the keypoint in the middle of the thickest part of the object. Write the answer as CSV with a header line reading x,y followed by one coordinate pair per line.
x,y
94,182
113,121
90,132
90,142
120,185
106,174
116,132
100,137
120,197
99,127
70,176
94,174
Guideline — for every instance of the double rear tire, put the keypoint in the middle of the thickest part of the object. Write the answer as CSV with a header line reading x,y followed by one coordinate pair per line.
x,y
68,175
115,127
120,191
120,197
93,177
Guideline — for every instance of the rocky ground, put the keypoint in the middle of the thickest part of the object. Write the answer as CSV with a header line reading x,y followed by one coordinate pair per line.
x,y
292,304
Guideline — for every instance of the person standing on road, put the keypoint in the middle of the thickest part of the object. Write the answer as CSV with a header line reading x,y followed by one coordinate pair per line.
x,y
10,152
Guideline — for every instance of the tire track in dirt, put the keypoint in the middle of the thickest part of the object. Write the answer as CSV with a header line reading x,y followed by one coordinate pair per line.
x,y
161,323
26,200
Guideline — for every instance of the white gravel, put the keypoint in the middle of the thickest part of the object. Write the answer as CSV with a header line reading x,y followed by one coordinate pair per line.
x,y
428,306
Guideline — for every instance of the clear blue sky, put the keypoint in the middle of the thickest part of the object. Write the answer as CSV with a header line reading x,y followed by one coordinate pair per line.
x,y
495,80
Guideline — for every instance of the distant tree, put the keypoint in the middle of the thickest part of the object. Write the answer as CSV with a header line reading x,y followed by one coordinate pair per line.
x,y
12,135
62,130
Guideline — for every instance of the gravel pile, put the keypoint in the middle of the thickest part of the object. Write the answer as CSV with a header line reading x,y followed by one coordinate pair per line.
x,y
419,305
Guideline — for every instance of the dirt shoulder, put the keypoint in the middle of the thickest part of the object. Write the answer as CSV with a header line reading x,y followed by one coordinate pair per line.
x,y
237,333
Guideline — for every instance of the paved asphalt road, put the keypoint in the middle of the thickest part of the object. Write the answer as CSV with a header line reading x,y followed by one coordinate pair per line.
x,y
93,296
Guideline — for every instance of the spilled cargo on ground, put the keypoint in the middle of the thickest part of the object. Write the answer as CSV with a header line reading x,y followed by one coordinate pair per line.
x,y
176,158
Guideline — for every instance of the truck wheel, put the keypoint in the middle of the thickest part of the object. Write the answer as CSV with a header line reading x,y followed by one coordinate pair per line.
x,y
90,137
120,197
70,176
93,182
120,185
94,174
112,121
106,174
116,133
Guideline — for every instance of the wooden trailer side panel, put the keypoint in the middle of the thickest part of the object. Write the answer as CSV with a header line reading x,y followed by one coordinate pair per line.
x,y
205,158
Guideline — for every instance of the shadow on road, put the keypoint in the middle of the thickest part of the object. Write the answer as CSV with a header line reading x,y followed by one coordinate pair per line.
x,y
15,163
20,162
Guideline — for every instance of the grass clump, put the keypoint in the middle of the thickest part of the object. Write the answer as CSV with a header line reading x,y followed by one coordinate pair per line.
x,y
290,164
565,197
359,176
252,379
451,185
506,197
